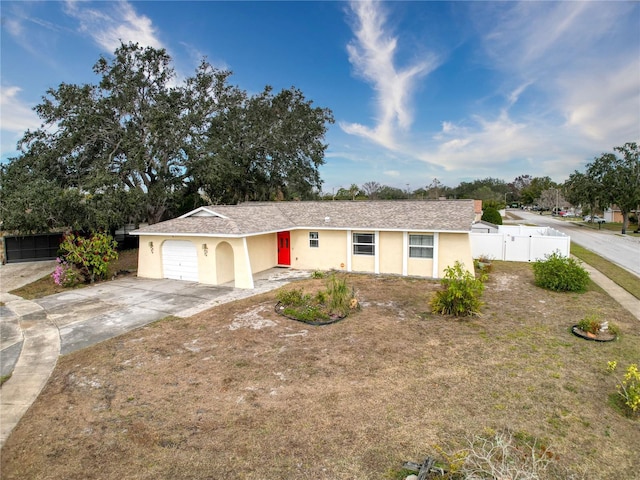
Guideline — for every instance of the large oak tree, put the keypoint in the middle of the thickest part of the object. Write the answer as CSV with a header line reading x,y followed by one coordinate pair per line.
x,y
141,146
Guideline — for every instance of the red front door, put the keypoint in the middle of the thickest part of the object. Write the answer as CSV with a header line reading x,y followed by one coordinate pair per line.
x,y
284,249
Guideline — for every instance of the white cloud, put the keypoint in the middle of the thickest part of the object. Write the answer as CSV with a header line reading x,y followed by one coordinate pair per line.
x,y
392,173
372,54
573,91
606,105
118,24
16,116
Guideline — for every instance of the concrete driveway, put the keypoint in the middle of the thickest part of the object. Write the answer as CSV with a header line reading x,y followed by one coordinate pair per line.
x,y
87,316
90,315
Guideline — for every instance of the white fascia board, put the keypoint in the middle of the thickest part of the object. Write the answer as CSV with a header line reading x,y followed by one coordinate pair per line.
x,y
291,229
174,234
372,229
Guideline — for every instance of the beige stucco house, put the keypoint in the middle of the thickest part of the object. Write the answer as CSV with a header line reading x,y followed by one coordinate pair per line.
x,y
220,244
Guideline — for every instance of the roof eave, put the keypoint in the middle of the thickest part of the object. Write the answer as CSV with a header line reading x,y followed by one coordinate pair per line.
x,y
267,232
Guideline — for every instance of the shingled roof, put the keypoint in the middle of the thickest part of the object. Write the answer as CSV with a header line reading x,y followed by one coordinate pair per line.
x,y
257,218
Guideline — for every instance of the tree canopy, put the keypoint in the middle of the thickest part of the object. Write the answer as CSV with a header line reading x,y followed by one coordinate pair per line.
x,y
618,179
139,146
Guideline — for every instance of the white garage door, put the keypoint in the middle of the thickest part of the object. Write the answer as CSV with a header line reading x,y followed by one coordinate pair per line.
x,y
180,260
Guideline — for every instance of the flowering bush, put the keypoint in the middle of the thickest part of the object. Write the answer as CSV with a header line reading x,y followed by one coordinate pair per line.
x,y
629,386
92,255
64,274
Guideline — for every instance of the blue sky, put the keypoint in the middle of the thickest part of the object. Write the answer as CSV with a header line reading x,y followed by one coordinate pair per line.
x,y
420,90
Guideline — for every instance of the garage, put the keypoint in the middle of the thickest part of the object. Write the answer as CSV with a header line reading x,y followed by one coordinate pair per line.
x,y
180,260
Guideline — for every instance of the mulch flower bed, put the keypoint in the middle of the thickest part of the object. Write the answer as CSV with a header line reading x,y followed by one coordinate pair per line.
x,y
600,336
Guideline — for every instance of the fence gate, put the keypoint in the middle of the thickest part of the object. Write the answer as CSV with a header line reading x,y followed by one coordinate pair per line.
x,y
31,248
517,249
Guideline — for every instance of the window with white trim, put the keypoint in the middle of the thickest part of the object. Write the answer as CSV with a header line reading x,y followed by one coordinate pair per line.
x,y
314,240
364,244
420,246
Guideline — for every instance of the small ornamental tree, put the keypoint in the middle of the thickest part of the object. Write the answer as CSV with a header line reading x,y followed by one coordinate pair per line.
x,y
461,296
561,274
492,215
91,256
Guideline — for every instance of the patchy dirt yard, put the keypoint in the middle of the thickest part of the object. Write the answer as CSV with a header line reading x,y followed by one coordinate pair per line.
x,y
240,392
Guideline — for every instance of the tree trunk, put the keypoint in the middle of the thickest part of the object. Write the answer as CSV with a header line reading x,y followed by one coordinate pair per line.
x,y
155,214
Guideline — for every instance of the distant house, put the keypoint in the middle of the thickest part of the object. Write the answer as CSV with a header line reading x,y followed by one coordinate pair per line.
x,y
221,244
613,214
484,227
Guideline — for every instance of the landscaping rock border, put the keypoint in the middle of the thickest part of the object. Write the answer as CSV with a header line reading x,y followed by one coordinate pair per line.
x,y
600,337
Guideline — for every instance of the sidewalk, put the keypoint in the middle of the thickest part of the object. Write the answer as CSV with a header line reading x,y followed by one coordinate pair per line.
x,y
615,291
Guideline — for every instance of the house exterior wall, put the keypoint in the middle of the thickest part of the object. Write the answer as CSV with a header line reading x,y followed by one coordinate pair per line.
x,y
393,253
452,247
331,252
335,251
390,250
150,256
150,259
263,252
225,263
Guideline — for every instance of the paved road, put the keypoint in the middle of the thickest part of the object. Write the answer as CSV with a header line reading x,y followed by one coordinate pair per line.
x,y
623,250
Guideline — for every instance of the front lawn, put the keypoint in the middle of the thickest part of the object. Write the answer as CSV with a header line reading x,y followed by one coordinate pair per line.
x,y
241,392
613,227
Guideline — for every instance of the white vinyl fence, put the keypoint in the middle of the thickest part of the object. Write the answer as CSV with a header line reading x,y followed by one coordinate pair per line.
x,y
519,243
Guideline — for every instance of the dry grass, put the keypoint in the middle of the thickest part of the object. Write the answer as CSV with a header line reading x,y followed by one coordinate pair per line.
x,y
126,263
239,392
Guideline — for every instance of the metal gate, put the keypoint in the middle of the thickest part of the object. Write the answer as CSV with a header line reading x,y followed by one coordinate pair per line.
x,y
31,248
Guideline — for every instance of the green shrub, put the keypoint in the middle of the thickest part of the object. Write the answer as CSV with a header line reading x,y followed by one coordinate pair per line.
x,y
321,297
91,256
590,324
492,215
293,298
339,295
335,301
561,274
461,296
308,313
